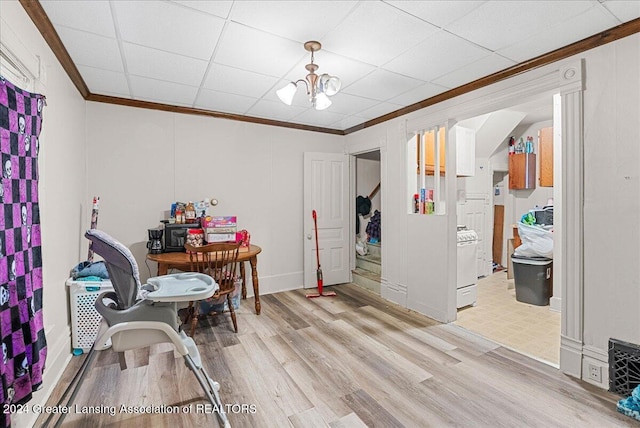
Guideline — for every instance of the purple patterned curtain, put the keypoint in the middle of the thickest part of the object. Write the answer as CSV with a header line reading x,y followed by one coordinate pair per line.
x,y
24,347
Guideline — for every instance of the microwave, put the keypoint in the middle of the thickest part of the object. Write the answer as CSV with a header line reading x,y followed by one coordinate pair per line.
x,y
175,236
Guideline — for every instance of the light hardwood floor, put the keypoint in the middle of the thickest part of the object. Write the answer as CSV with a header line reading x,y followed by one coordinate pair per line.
x,y
350,361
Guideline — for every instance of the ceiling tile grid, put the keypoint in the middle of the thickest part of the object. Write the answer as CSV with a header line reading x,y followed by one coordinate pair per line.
x,y
91,49
105,82
232,56
168,27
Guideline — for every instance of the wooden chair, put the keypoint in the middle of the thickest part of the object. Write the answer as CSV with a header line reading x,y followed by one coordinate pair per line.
x,y
220,260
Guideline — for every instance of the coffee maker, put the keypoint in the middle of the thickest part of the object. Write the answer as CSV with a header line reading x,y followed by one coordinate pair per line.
x,y
155,241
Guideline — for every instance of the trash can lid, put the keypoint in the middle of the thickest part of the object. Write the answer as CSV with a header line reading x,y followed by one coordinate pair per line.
x,y
540,261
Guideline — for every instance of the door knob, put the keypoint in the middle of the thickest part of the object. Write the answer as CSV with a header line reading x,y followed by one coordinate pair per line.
x,y
309,237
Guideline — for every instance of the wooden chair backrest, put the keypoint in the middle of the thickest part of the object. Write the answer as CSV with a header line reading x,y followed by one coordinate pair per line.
x,y
220,260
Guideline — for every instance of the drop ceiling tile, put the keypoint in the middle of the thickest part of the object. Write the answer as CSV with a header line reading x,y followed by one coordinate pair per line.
x,y
92,16
295,20
470,72
224,102
497,24
142,61
162,92
347,123
91,49
440,13
235,81
378,110
274,110
322,118
586,24
349,104
104,82
418,94
382,85
376,32
217,8
272,56
426,60
168,27
624,10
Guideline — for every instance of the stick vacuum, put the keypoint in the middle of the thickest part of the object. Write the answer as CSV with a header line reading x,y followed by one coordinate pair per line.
x,y
319,270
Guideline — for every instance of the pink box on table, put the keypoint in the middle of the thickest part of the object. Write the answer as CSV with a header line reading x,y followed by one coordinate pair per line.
x,y
218,222
220,228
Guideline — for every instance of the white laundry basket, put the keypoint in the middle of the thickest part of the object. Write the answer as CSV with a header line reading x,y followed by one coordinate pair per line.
x,y
85,320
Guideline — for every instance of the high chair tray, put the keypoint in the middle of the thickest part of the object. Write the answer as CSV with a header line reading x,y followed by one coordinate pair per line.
x,y
177,287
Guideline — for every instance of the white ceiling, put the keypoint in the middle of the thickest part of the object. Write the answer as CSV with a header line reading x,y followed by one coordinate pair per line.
x,y
231,56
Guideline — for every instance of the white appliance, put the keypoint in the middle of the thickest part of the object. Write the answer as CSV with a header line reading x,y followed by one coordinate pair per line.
x,y
467,272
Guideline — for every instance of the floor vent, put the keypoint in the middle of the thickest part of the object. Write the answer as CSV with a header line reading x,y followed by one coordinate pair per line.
x,y
624,367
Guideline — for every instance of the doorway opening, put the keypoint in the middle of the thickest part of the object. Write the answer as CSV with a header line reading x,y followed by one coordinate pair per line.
x,y
494,205
368,227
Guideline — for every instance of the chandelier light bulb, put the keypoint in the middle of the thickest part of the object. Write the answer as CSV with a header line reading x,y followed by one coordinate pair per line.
x,y
322,101
286,93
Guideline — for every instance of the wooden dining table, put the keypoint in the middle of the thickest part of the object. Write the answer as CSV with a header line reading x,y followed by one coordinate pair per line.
x,y
180,261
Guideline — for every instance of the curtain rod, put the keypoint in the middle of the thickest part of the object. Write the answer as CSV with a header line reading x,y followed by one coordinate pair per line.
x,y
13,61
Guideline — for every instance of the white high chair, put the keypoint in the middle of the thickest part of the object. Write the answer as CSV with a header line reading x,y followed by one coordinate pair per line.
x,y
136,316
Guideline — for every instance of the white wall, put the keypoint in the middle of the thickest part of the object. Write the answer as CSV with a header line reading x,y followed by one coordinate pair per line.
x,y
612,194
611,189
63,191
140,161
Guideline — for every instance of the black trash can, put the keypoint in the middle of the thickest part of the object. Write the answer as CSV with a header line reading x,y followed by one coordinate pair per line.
x,y
533,278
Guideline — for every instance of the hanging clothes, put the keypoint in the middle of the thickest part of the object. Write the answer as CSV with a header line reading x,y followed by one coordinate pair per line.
x,y
24,347
374,230
363,208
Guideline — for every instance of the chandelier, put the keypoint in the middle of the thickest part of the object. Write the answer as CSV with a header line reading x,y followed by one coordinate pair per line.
x,y
319,87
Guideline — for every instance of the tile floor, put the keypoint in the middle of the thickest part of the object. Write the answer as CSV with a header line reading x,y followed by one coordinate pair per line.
x,y
528,329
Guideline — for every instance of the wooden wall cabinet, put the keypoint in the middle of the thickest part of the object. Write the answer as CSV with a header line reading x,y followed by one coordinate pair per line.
x,y
545,151
522,171
430,152
465,152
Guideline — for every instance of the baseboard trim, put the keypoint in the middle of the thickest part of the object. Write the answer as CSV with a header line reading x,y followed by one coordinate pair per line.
x,y
571,356
555,304
395,293
428,311
276,283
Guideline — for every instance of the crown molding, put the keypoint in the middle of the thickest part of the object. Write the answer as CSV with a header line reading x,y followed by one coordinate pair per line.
x,y
202,112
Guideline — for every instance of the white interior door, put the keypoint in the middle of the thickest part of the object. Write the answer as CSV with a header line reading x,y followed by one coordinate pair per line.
x,y
326,190
475,215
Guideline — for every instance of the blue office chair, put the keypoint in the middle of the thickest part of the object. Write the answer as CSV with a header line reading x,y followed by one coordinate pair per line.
x,y
136,316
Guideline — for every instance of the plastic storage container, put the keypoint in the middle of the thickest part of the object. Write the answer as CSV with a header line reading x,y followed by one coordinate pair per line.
x,y
532,278
85,320
221,305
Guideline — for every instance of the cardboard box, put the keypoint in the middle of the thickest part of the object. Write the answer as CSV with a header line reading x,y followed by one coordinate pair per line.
x,y
217,222
221,237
